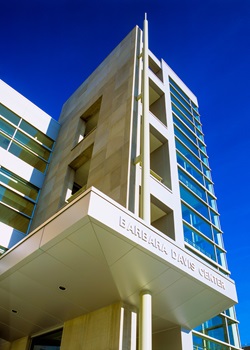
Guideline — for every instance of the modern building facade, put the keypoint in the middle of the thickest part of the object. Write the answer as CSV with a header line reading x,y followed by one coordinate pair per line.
x,y
27,136
125,248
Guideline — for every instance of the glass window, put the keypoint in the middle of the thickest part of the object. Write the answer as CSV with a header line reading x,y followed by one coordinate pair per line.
x,y
204,158
194,202
189,168
221,257
32,145
8,114
218,237
199,242
16,201
212,202
20,185
199,134
6,128
206,171
184,129
192,185
197,124
216,328
48,341
196,221
215,219
186,141
196,114
14,219
4,142
232,330
209,185
28,157
180,98
182,93
182,108
180,147
183,117
202,147
42,138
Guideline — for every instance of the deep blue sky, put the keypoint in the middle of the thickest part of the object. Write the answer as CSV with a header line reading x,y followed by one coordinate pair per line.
x,y
49,47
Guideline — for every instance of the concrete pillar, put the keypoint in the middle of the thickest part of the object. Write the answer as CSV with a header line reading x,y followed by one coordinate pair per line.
x,y
145,326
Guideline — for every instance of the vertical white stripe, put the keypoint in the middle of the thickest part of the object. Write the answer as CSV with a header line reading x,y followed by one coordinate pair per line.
x,y
121,328
145,195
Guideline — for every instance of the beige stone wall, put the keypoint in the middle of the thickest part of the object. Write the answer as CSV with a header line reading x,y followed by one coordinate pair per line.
x,y
113,81
106,328
19,344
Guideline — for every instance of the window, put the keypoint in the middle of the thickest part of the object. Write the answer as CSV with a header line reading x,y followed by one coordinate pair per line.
x,y
159,157
17,200
89,120
23,140
157,102
79,170
162,217
48,341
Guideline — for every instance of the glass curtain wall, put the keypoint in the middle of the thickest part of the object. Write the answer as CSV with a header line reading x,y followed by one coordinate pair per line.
x,y
202,231
23,140
18,197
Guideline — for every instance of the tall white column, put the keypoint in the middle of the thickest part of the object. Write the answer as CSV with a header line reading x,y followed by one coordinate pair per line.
x,y
145,151
145,326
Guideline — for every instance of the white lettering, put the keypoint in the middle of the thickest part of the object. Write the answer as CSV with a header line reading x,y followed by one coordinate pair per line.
x,y
143,235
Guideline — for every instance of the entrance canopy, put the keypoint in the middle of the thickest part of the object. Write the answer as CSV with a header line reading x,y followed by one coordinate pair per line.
x,y
93,253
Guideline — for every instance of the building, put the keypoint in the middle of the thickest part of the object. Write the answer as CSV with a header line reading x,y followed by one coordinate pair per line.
x,y
125,249
27,136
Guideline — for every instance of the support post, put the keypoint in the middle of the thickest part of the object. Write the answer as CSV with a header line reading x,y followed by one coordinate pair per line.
x,y
145,326
145,146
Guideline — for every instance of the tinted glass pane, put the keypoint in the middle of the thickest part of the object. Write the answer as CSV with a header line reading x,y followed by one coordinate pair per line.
x,y
215,219
18,184
216,328
192,185
4,141
45,140
48,341
184,129
218,237
196,114
181,107
32,145
28,157
200,135
221,257
196,221
187,154
199,243
194,202
6,128
202,147
182,93
206,171
212,202
14,219
231,329
15,201
189,168
8,114
180,98
182,117
209,186
186,141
